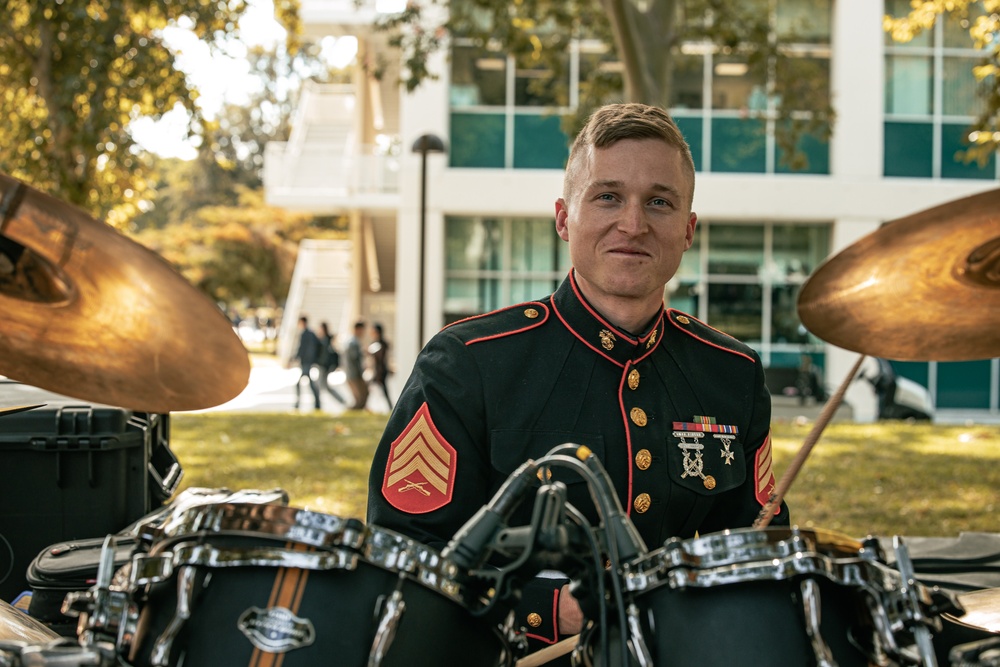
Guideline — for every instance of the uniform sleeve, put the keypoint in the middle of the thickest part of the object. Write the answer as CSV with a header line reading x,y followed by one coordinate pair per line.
x,y
537,613
740,507
441,413
431,469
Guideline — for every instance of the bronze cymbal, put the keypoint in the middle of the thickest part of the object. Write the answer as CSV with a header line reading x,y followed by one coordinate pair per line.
x,y
982,609
921,288
91,314
14,409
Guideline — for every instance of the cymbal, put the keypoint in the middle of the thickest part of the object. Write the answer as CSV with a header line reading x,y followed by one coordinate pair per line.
x,y
921,288
18,408
982,609
91,314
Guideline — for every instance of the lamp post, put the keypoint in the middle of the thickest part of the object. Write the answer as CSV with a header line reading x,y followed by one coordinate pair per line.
x,y
425,143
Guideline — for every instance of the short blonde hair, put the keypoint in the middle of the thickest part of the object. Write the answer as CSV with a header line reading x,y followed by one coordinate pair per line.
x,y
630,120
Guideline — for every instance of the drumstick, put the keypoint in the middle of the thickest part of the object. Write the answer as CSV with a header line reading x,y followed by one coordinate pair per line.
x,y
548,653
774,502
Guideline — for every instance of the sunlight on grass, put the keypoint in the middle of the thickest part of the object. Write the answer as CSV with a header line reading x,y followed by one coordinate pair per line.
x,y
881,479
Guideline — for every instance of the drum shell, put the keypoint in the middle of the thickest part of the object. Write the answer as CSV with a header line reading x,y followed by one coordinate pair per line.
x,y
749,624
342,605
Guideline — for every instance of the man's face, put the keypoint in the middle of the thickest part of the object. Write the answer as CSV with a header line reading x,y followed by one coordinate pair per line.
x,y
629,221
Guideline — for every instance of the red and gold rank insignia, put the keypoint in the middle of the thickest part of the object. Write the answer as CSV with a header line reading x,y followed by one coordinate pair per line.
x,y
420,474
764,473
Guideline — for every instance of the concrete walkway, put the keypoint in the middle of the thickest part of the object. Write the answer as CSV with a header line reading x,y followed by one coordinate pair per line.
x,y
271,388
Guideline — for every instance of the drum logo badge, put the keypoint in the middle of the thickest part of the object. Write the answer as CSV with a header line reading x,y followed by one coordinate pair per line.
x,y
276,629
420,472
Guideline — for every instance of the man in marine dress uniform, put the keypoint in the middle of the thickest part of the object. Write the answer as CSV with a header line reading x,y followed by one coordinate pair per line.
x,y
676,411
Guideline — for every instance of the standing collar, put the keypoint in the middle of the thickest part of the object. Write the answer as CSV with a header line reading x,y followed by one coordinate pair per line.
x,y
597,333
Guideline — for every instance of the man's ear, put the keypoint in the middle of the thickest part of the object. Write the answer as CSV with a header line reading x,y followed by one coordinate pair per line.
x,y
562,213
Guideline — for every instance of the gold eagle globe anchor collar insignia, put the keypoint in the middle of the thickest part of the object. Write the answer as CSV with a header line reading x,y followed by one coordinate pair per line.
x,y
604,338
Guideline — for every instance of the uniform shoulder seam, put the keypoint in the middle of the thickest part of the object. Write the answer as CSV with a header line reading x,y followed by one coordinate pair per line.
x,y
502,322
708,335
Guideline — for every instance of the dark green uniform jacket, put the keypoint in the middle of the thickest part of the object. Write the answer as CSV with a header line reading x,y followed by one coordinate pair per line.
x,y
678,415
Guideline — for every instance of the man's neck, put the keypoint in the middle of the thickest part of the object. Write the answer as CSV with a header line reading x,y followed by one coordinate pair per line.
x,y
633,315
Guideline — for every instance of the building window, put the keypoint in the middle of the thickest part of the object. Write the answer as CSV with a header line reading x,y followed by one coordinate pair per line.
x,y
506,115
744,279
491,263
931,99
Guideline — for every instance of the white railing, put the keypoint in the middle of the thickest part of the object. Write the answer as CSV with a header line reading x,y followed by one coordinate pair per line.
x,y
330,169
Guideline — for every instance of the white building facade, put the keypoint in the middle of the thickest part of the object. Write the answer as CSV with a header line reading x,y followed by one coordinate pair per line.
x,y
488,236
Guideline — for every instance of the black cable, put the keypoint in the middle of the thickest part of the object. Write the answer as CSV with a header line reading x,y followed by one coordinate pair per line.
x,y
604,511
595,550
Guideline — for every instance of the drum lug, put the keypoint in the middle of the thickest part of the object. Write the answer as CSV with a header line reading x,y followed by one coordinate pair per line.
x,y
392,612
105,611
812,611
639,648
160,655
920,621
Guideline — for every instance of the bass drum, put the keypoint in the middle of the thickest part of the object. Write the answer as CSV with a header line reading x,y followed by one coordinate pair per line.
x,y
776,596
266,585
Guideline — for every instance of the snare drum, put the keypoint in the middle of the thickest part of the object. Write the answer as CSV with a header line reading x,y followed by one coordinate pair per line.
x,y
266,585
777,596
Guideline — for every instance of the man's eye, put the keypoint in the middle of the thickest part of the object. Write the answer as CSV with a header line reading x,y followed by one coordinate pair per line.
x,y
659,201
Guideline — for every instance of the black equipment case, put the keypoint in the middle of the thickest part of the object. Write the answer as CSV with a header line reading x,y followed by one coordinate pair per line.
x,y
73,565
74,470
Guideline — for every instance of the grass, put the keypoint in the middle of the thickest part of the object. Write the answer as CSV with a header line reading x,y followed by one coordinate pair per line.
x,y
880,479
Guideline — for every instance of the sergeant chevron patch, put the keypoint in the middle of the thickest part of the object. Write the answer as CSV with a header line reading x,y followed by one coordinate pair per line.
x,y
764,473
420,473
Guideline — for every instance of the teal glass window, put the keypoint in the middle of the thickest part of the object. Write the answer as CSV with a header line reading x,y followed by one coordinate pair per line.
x,y
963,384
909,149
692,130
953,141
477,140
739,145
539,142
817,157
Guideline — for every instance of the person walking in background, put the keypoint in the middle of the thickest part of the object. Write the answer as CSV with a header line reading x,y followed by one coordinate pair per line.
x,y
307,354
379,351
354,367
329,361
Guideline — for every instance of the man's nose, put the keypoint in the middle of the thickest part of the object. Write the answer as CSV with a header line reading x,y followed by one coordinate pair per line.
x,y
633,219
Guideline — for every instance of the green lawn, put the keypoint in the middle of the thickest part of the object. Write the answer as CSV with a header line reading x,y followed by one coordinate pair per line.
x,y
880,479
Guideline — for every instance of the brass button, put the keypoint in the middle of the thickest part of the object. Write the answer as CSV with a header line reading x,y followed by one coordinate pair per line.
x,y
638,416
531,313
534,620
643,459
709,482
633,379
683,320
641,502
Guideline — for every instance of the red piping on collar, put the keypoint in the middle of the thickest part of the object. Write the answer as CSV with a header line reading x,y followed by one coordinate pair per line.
x,y
708,342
